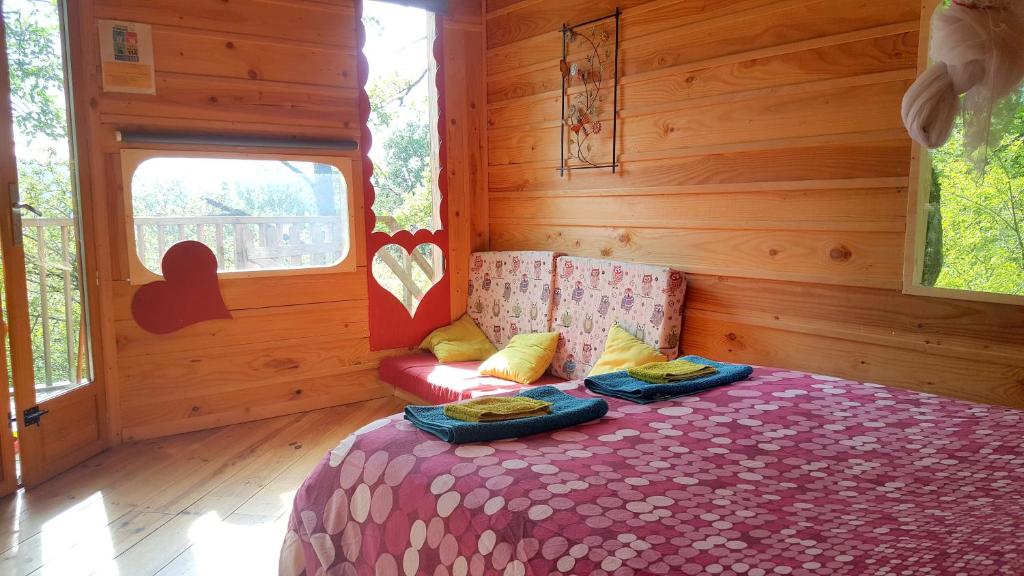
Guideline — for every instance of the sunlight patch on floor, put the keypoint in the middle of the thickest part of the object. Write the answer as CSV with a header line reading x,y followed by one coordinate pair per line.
x,y
77,538
240,544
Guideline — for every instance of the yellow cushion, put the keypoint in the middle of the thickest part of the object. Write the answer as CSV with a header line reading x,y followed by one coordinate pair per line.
x,y
460,341
525,358
623,351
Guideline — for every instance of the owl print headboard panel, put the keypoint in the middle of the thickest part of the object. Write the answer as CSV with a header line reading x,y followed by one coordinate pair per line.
x,y
510,293
591,295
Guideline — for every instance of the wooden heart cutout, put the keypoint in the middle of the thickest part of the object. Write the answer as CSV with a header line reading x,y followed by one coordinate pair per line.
x,y
408,276
188,294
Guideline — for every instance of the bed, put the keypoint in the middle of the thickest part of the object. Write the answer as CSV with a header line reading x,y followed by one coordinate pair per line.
x,y
784,473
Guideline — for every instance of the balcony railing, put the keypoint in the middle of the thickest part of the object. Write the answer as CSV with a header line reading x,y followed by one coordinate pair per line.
x,y
246,242
55,304
239,242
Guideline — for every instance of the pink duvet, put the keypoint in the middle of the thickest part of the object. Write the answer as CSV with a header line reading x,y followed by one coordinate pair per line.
x,y
785,473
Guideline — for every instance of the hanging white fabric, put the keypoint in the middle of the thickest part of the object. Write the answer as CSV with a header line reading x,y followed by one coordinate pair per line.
x,y
977,50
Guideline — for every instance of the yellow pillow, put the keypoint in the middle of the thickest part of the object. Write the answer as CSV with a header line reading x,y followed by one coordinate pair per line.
x,y
623,351
460,341
525,358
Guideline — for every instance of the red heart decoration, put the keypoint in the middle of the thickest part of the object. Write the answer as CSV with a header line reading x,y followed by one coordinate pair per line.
x,y
189,293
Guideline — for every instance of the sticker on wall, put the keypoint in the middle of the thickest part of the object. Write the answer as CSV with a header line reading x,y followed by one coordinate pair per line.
x,y
126,56
188,294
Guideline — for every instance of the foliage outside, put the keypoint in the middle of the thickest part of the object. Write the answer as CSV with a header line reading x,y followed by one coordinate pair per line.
x,y
399,53
975,237
398,88
44,174
179,191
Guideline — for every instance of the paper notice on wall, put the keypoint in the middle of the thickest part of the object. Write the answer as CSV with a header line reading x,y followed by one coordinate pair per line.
x,y
126,54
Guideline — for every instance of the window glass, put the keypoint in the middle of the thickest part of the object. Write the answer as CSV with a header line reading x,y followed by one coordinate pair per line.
x,y
399,49
253,213
47,181
975,222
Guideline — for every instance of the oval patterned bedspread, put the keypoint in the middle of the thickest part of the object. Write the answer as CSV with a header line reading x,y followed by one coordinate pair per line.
x,y
785,473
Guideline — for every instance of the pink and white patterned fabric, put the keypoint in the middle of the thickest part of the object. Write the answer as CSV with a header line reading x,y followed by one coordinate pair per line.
x,y
591,295
784,473
510,293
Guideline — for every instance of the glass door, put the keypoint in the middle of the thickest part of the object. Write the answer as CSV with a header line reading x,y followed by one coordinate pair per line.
x,y
56,407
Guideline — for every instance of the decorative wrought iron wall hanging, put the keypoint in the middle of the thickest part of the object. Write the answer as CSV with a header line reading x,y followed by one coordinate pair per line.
x,y
590,77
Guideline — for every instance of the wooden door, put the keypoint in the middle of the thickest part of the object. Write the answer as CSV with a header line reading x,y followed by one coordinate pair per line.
x,y
58,408
8,471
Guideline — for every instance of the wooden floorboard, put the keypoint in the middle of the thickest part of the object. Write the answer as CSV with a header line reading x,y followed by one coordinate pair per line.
x,y
209,502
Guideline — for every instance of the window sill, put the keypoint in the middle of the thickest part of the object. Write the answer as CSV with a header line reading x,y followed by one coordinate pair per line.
x,y
140,275
969,295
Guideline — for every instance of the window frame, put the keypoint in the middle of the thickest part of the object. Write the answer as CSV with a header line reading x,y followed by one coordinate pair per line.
x,y
434,128
391,325
919,187
132,158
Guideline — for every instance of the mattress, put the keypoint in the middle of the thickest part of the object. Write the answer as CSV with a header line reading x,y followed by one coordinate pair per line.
x,y
785,473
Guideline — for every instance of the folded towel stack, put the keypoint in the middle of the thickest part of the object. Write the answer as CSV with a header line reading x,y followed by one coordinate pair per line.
x,y
622,385
565,411
674,371
496,408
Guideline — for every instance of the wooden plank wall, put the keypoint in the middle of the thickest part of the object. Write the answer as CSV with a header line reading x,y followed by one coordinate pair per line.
x,y
763,153
265,67
466,129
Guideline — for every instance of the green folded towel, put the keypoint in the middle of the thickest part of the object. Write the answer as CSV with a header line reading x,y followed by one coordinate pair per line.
x,y
496,409
674,371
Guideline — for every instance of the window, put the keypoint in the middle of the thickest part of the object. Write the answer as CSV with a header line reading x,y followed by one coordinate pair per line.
x,y
48,181
968,230
974,224
399,49
255,212
403,120
408,290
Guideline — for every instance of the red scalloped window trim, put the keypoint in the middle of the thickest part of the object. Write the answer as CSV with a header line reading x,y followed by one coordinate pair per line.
x,y
391,325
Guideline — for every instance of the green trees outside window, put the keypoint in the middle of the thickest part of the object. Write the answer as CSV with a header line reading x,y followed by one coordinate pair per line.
x,y
975,233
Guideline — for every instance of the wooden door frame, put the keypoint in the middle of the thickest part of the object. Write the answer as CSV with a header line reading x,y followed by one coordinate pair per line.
x,y
8,467
82,52
39,464
17,316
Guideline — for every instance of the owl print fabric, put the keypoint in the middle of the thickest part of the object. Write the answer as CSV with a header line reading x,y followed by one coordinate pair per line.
x,y
510,293
591,295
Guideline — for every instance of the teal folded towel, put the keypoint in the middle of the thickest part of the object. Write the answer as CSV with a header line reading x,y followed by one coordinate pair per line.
x,y
566,411
622,385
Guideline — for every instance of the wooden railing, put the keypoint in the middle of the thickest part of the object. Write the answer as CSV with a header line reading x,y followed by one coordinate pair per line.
x,y
51,254
247,242
404,266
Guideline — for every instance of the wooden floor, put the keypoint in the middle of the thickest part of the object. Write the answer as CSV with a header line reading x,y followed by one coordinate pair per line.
x,y
213,502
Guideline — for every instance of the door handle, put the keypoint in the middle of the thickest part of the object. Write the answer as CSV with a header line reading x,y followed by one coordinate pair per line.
x,y
17,206
29,207
32,415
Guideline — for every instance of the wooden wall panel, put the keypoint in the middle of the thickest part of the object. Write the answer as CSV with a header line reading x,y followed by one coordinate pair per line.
x,y
307,21
276,67
762,152
833,257
467,171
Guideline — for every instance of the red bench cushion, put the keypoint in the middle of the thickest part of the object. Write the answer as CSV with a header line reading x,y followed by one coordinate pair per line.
x,y
424,377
